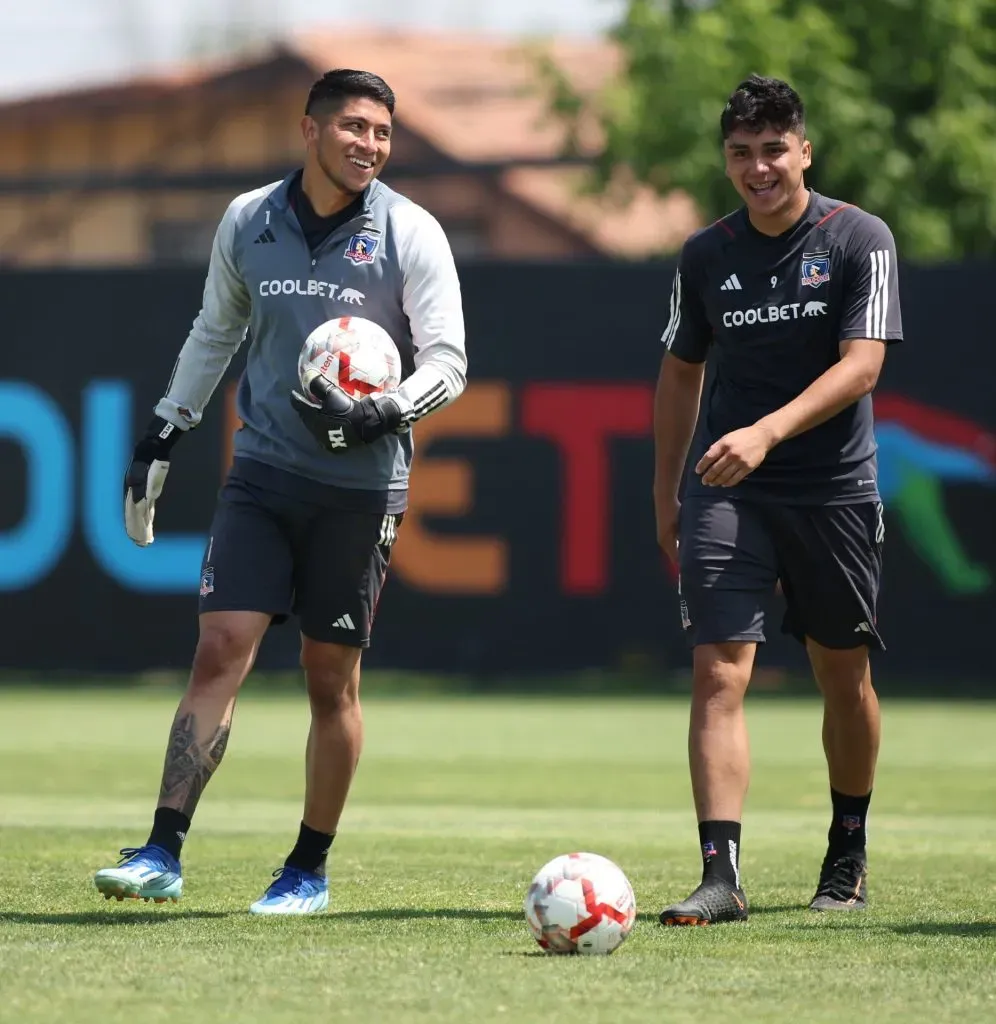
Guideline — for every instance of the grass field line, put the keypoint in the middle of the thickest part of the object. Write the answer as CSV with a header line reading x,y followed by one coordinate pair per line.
x,y
31,811
454,732
457,803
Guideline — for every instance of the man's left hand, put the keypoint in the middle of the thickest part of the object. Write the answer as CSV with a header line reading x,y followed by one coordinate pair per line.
x,y
734,456
341,423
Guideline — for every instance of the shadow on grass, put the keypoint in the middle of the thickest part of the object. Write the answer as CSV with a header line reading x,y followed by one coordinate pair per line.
x,y
467,914
753,911
410,913
104,917
947,929
866,922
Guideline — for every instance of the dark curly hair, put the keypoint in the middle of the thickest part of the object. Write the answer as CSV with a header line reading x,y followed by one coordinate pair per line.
x,y
758,103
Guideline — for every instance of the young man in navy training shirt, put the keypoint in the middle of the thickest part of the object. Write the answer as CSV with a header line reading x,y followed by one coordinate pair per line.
x,y
792,299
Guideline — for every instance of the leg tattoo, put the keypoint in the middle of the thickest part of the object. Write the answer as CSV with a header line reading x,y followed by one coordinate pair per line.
x,y
189,764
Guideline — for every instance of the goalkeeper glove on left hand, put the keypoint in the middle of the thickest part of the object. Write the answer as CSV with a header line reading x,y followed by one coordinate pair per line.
x,y
339,422
144,478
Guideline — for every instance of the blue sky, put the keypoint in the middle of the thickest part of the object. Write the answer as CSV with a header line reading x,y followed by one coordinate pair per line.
x,y
50,44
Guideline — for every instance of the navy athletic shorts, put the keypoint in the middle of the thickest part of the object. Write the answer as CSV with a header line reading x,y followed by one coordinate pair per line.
x,y
828,559
281,554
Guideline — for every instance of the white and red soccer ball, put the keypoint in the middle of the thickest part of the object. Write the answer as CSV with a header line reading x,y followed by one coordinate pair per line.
x,y
580,903
354,353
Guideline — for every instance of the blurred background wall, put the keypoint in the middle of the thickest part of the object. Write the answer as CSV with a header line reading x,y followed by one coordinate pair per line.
x,y
568,149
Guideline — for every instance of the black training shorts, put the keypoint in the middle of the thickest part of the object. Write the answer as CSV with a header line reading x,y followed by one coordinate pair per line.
x,y
828,559
280,554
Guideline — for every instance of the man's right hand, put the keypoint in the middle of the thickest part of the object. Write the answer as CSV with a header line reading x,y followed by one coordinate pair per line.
x,y
667,508
145,477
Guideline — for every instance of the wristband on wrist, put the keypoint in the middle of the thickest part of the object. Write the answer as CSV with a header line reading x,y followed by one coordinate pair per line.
x,y
157,441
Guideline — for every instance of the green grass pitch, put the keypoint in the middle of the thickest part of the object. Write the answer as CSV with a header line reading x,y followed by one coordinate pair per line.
x,y
457,802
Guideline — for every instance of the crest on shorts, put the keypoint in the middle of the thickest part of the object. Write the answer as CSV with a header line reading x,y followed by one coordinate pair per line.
x,y
207,581
361,247
815,268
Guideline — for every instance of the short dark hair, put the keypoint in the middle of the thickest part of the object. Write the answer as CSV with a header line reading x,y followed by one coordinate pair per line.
x,y
758,103
332,90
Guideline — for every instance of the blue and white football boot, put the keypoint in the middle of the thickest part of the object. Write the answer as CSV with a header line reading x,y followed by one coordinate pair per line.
x,y
143,873
293,891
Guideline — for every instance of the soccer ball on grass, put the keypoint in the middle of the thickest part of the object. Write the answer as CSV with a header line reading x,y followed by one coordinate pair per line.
x,y
580,903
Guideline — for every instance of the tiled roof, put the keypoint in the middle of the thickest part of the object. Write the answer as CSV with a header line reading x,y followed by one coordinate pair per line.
x,y
476,99
644,225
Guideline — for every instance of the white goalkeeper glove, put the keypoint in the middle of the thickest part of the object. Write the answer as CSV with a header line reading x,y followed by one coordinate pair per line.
x,y
145,477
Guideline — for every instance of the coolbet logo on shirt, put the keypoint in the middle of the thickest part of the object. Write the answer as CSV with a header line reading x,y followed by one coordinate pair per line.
x,y
361,248
771,314
326,289
815,268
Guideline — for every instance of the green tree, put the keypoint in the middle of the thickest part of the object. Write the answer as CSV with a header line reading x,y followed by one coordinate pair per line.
x,y
900,98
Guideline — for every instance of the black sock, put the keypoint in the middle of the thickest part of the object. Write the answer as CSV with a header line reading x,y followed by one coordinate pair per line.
x,y
847,830
310,850
169,830
720,841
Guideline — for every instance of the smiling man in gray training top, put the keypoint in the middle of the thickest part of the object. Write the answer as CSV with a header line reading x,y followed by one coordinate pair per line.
x,y
316,494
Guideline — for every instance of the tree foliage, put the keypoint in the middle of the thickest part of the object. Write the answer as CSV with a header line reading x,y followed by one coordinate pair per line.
x,y
900,98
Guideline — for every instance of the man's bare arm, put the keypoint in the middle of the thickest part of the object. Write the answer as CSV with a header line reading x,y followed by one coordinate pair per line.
x,y
842,385
737,454
676,409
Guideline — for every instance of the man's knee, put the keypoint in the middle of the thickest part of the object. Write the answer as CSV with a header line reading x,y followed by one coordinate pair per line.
x,y
226,647
332,674
841,674
722,672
